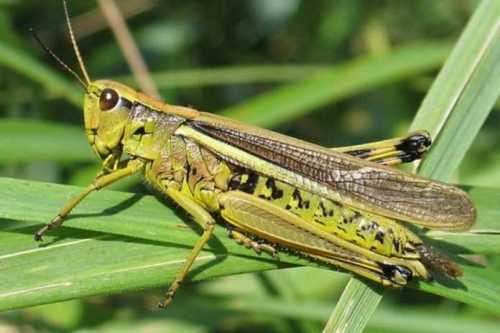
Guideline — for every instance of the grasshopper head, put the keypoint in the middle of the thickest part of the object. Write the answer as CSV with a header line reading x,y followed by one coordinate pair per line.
x,y
106,109
107,104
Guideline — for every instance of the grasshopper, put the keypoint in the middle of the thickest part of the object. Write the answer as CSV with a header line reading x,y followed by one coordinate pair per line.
x,y
341,206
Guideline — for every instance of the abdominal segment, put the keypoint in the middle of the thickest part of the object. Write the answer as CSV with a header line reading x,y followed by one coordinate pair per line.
x,y
375,233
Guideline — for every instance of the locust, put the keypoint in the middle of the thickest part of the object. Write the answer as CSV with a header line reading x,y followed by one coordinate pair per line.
x,y
343,207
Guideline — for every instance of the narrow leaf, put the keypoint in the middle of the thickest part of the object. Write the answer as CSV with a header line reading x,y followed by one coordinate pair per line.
x,y
25,141
346,316
115,242
463,94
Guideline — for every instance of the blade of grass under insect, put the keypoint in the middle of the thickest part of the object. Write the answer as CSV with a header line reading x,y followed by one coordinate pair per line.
x,y
343,317
53,82
338,82
117,242
143,247
25,141
454,115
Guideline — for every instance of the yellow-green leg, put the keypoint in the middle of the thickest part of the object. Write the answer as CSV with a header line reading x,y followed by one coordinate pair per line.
x,y
101,180
277,225
392,151
203,218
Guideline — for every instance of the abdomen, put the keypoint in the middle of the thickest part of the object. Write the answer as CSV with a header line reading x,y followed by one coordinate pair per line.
x,y
376,233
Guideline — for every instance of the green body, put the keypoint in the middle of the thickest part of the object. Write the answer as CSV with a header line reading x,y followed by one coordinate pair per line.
x,y
273,192
176,153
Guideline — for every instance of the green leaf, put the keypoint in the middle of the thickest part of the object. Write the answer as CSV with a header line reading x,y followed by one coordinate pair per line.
x,y
453,111
340,81
115,242
463,94
346,314
26,140
112,242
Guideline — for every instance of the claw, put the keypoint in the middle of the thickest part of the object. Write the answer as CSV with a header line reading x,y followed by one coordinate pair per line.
x,y
38,236
54,223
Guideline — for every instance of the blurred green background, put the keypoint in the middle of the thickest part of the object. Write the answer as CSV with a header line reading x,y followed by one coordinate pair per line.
x,y
331,72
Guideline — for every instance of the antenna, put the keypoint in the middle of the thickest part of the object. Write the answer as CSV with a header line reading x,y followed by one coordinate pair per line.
x,y
75,45
58,60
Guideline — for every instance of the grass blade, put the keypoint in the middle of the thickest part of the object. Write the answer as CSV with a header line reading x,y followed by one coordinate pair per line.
x,y
108,245
117,248
346,317
26,141
463,94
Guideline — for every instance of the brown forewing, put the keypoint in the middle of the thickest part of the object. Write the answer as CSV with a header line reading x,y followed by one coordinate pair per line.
x,y
365,185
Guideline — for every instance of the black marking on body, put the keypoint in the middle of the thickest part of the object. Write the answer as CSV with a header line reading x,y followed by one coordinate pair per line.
x,y
250,184
296,196
276,193
387,270
379,236
126,103
360,153
347,220
319,221
322,208
405,272
407,158
235,182
360,235
140,131
413,147
390,271
396,244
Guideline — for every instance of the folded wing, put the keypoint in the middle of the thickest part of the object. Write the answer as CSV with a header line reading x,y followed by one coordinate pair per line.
x,y
356,183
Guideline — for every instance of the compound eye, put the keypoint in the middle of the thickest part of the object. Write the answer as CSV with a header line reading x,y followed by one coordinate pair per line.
x,y
108,100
